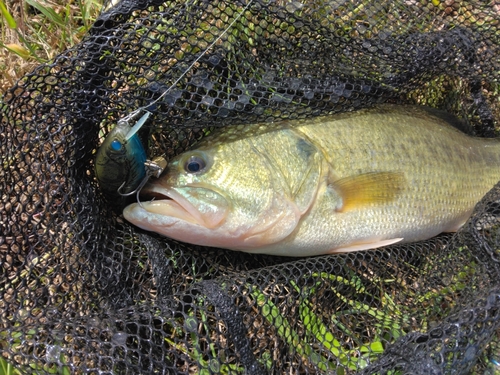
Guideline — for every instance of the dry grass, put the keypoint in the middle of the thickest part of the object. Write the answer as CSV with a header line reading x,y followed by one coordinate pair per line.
x,y
35,31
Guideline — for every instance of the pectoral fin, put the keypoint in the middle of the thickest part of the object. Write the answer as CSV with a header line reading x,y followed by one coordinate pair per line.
x,y
368,188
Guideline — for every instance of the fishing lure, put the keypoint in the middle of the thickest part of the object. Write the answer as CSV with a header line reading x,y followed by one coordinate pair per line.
x,y
121,165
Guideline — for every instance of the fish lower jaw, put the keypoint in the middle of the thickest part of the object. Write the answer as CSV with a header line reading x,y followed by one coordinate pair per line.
x,y
136,214
152,216
168,212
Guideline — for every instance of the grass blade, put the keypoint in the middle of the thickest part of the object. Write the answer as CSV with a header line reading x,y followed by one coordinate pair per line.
x,y
48,12
11,22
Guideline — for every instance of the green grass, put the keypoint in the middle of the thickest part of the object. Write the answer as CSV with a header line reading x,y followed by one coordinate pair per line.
x,y
35,31
7,369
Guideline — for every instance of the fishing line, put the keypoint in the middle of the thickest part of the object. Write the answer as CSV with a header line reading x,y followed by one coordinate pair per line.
x,y
132,115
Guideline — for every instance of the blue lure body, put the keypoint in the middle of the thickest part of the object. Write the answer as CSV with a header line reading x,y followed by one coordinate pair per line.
x,y
120,161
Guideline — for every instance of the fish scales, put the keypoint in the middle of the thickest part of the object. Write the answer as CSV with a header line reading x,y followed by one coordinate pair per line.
x,y
336,183
443,183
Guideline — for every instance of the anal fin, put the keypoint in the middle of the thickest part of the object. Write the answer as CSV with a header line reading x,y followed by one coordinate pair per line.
x,y
365,246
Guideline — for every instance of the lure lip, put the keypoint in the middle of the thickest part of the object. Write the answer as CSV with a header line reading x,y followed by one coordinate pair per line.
x,y
138,125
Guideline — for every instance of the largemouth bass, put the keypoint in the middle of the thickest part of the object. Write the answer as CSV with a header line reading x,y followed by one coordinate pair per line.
x,y
328,184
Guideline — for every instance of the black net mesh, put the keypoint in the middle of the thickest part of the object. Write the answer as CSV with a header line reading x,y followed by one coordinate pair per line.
x,y
82,291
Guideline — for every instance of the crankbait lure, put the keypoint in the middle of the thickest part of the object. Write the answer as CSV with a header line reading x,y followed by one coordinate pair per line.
x,y
121,162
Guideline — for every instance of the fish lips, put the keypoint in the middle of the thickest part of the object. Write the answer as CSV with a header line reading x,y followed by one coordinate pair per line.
x,y
192,204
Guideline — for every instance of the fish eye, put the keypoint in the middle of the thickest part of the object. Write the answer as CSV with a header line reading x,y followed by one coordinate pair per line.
x,y
116,145
195,164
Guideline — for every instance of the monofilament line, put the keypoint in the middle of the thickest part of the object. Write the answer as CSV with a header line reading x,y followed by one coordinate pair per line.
x,y
137,111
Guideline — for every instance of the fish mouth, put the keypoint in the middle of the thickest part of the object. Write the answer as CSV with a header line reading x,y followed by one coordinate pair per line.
x,y
172,202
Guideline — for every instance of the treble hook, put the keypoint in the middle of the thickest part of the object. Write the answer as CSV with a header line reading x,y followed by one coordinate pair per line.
x,y
154,168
